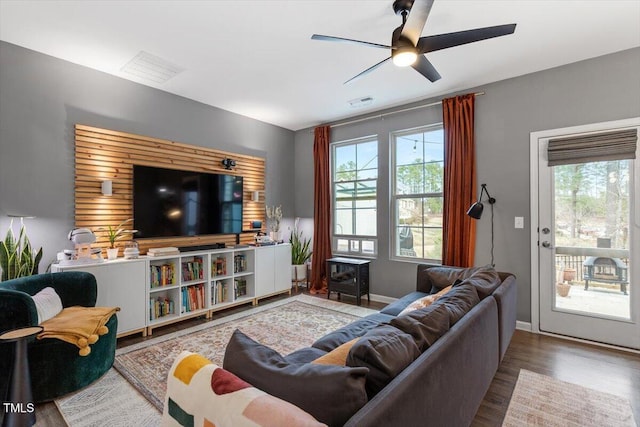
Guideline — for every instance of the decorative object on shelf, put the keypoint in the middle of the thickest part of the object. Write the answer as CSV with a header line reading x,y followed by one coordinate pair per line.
x,y
107,187
17,257
475,212
563,289
228,163
116,233
274,216
131,250
300,253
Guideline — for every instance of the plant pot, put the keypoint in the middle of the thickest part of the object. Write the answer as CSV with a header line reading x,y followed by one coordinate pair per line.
x,y
299,272
569,274
563,289
112,253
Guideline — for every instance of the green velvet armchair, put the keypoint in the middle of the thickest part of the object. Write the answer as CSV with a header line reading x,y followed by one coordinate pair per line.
x,y
56,367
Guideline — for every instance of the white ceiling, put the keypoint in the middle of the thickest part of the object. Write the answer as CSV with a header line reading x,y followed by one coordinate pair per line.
x,y
256,58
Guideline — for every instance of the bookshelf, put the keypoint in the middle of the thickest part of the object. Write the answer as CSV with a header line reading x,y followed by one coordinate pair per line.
x,y
157,291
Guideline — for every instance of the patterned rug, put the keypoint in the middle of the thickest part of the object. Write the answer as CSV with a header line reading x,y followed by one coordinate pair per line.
x,y
285,327
539,400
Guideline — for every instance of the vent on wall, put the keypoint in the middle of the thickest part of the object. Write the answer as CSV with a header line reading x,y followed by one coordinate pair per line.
x,y
152,68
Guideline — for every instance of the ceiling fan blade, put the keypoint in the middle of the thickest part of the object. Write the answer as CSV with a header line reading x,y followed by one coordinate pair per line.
x,y
367,71
444,41
340,39
418,15
424,67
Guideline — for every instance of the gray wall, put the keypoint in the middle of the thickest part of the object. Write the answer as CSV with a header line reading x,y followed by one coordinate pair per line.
x,y
42,98
596,90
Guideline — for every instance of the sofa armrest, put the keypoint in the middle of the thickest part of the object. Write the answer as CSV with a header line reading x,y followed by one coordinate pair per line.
x,y
17,310
507,298
75,288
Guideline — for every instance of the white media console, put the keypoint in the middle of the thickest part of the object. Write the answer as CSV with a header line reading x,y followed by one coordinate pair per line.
x,y
156,291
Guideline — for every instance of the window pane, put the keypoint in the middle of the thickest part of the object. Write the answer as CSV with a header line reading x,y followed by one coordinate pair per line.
x,y
433,177
409,149
366,222
434,145
342,245
355,246
344,221
410,179
367,155
345,158
367,174
432,244
409,211
368,247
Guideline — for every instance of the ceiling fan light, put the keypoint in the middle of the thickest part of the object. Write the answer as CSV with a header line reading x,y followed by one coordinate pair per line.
x,y
404,57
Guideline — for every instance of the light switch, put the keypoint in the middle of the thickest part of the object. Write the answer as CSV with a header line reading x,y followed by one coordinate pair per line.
x,y
519,222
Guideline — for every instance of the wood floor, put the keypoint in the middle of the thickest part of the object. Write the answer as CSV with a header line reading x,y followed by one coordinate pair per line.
x,y
611,371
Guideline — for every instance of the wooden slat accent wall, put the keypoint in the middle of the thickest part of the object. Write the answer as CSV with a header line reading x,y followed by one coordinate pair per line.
x,y
102,154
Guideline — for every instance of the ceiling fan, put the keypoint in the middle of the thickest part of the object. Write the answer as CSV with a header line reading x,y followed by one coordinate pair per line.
x,y
408,48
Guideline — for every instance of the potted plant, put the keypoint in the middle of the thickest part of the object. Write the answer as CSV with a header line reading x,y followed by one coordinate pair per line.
x,y
116,233
563,289
17,258
300,253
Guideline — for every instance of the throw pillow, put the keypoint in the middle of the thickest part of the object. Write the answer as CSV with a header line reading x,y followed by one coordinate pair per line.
x,y
485,280
385,351
459,301
48,304
337,356
426,301
331,394
197,389
425,325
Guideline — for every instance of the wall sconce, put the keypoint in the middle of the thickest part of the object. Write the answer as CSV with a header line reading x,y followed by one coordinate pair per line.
x,y
228,163
475,212
255,196
107,187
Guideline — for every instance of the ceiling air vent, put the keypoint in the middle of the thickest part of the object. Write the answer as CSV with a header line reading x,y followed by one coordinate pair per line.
x,y
152,68
360,102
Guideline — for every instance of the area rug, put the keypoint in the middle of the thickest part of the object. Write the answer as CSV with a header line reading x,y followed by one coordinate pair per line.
x,y
285,327
539,400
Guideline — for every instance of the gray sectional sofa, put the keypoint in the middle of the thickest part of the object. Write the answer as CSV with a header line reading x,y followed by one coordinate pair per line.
x,y
430,367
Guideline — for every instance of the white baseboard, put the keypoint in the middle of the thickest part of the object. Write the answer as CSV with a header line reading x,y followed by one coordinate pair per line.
x,y
523,326
382,298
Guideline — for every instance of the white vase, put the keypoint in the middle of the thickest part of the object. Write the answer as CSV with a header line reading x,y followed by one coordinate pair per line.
x,y
274,235
299,272
112,253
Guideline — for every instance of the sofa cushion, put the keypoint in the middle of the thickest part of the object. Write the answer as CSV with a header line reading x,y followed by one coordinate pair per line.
x,y
331,394
459,301
425,325
427,300
353,330
337,356
386,351
397,306
441,277
304,355
198,389
486,280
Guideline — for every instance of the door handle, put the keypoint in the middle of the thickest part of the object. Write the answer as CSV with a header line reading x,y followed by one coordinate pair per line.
x,y
546,244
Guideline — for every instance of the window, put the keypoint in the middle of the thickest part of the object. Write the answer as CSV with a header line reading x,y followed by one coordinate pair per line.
x,y
417,198
354,184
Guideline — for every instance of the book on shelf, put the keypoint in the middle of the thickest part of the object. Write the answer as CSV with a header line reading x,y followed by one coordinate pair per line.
x,y
239,288
192,298
239,263
219,266
155,252
159,307
161,275
218,292
193,270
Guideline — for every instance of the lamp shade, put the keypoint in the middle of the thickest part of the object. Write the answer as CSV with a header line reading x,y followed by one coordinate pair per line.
x,y
475,211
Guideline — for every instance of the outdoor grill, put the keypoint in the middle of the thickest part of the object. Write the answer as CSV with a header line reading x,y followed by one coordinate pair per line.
x,y
605,270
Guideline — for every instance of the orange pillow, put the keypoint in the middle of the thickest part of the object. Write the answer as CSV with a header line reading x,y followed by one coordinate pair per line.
x,y
425,301
337,356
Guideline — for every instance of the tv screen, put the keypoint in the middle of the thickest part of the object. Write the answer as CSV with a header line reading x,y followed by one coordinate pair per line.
x,y
168,202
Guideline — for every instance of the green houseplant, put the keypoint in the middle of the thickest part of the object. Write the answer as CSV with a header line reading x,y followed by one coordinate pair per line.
x,y
300,252
115,233
17,257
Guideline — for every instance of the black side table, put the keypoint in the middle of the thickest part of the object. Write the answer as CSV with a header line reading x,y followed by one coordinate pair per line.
x,y
21,410
349,276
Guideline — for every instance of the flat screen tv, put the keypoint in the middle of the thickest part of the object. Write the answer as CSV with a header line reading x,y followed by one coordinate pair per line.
x,y
168,202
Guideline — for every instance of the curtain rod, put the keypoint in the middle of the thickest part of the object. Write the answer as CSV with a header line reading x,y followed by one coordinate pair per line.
x,y
392,112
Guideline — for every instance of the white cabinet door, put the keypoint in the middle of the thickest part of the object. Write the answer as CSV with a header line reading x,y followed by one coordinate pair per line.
x,y
120,284
282,267
265,264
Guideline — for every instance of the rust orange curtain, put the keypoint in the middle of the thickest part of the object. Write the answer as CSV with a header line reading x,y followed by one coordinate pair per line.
x,y
459,230
321,210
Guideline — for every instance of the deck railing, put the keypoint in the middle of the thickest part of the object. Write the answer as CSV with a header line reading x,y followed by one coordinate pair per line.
x,y
569,257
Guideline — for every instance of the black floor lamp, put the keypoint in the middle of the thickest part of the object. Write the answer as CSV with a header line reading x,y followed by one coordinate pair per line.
x,y
475,212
